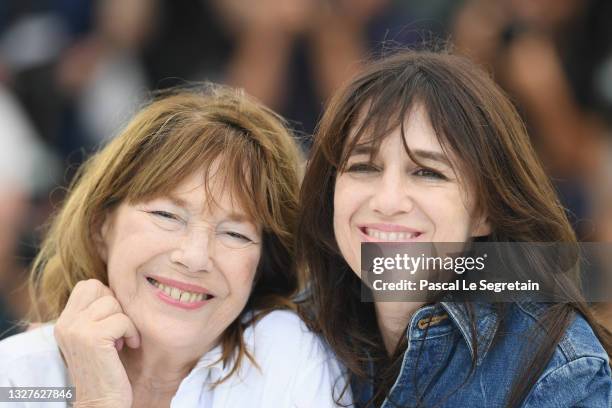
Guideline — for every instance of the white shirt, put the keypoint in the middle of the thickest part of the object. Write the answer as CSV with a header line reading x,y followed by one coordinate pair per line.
x,y
296,369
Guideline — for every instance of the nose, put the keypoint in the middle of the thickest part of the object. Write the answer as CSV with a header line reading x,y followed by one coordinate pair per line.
x,y
391,194
194,251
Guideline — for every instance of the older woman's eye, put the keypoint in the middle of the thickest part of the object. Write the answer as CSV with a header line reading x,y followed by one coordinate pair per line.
x,y
165,215
361,168
429,173
233,239
238,236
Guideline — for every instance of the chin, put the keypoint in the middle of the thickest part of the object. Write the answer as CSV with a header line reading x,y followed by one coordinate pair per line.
x,y
173,340
168,332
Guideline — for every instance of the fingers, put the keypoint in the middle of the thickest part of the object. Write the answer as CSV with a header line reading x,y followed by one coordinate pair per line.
x,y
119,344
83,294
119,326
89,332
103,307
92,304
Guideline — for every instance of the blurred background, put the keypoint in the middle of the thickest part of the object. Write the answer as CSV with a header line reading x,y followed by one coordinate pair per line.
x,y
72,72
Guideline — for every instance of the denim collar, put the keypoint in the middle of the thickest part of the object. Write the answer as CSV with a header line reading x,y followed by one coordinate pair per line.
x,y
487,322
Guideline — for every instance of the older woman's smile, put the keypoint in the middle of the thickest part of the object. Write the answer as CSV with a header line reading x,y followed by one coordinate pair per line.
x,y
180,294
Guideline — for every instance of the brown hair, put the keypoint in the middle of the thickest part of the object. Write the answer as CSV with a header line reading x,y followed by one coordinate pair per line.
x,y
474,121
180,132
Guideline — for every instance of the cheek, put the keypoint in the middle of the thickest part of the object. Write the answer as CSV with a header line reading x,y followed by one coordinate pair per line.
x,y
449,213
127,262
341,219
347,199
239,271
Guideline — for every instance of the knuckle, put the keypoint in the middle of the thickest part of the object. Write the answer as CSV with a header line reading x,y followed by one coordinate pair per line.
x,y
110,303
95,284
83,286
89,287
123,320
78,288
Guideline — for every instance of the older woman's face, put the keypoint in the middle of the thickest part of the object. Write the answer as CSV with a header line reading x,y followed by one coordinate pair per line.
x,y
394,199
182,270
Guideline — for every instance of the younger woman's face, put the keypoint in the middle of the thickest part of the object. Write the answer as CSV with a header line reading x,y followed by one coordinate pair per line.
x,y
394,199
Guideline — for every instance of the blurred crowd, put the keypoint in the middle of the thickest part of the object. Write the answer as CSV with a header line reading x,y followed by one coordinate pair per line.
x,y
73,71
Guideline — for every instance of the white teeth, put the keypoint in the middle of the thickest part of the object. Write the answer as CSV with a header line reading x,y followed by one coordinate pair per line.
x,y
176,294
390,236
181,296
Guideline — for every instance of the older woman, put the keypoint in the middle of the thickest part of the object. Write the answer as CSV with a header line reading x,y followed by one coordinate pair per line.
x,y
166,276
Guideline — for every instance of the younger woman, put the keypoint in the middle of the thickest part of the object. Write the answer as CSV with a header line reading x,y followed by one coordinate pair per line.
x,y
424,147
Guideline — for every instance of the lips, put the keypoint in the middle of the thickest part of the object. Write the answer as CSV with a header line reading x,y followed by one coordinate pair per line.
x,y
179,291
389,233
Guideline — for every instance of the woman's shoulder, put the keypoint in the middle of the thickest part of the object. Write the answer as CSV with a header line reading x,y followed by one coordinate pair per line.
x,y
575,372
284,320
282,343
284,331
294,362
578,341
32,358
578,372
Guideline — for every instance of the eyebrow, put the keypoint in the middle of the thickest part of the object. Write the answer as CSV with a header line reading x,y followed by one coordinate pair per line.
x,y
361,150
419,153
177,200
431,155
239,217
233,216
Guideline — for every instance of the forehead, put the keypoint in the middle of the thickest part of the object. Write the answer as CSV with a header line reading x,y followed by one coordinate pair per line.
x,y
415,129
208,191
414,133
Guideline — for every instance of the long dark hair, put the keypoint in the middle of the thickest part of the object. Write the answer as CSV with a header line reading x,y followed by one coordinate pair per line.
x,y
475,121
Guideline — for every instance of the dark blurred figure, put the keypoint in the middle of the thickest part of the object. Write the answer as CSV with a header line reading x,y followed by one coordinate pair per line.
x,y
70,74
290,54
101,74
24,169
554,57
75,65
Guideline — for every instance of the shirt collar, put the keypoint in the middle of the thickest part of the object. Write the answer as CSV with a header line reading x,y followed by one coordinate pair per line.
x,y
210,365
212,361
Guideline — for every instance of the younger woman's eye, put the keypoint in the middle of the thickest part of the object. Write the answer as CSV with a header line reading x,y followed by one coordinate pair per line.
x,y
362,168
428,173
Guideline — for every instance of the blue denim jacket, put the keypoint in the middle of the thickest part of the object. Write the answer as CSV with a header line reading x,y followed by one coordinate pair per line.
x,y
577,375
